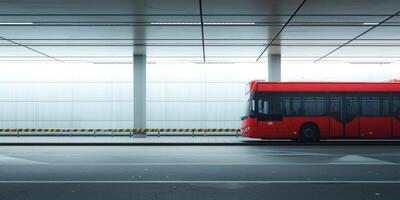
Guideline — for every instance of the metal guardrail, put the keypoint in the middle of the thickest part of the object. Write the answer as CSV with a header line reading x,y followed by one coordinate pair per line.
x,y
120,130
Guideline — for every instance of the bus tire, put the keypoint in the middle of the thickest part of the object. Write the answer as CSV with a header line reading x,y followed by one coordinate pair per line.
x,y
309,132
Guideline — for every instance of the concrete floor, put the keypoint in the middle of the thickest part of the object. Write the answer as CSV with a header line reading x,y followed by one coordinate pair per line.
x,y
268,171
106,139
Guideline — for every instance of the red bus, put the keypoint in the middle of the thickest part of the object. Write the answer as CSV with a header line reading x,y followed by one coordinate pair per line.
x,y
322,110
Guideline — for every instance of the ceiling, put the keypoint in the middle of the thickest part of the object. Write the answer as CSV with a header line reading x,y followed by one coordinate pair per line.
x,y
110,31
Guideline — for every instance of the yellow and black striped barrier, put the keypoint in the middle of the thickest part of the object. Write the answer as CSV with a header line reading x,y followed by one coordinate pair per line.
x,y
121,130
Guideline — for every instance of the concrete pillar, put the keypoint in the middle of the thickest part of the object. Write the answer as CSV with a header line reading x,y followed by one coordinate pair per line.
x,y
139,88
274,67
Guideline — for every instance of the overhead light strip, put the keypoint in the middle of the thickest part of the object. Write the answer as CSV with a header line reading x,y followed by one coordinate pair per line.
x,y
370,23
16,23
205,23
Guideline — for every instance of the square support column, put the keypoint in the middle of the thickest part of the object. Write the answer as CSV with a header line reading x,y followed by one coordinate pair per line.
x,y
274,68
139,91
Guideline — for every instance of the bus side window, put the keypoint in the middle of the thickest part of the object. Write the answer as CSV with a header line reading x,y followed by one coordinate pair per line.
x,y
396,106
334,107
351,105
297,109
285,106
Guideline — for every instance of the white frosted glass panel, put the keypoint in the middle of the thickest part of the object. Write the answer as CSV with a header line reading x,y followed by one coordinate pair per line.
x,y
241,72
179,124
92,124
16,111
185,73
11,72
337,71
23,124
53,92
156,111
184,111
122,111
16,92
52,73
92,73
223,124
184,91
65,95
9,124
92,92
155,73
156,91
226,91
53,111
24,110
92,110
122,92
155,124
53,124
224,110
120,72
122,124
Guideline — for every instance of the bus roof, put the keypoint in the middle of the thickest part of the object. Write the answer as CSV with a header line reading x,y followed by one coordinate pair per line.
x,y
325,86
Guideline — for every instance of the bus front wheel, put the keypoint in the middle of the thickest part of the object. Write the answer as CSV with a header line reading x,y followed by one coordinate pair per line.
x,y
309,133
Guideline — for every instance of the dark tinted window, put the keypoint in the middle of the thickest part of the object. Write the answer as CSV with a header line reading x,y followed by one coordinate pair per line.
x,y
335,107
351,107
297,108
314,106
370,106
275,104
285,105
396,106
385,105
374,104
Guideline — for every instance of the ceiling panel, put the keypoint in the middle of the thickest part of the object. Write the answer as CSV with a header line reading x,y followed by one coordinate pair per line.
x,y
353,7
250,7
99,7
375,51
322,32
387,32
102,32
233,30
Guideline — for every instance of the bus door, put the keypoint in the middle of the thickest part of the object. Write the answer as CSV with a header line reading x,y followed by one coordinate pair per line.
x,y
351,120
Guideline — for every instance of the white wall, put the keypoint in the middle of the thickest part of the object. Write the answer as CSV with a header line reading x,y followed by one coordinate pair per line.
x,y
339,71
53,95
179,95
185,95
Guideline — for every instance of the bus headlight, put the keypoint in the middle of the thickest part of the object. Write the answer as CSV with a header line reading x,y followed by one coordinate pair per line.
x,y
247,129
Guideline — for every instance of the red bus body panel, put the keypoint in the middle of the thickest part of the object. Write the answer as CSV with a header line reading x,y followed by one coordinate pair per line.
x,y
289,127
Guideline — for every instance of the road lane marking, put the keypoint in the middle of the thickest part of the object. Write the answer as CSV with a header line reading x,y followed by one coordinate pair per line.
x,y
201,164
194,182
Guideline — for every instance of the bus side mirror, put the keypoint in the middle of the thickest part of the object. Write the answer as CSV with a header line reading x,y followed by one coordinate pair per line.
x,y
243,117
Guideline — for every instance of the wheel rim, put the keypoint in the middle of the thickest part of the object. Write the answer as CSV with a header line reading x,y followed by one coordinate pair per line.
x,y
308,133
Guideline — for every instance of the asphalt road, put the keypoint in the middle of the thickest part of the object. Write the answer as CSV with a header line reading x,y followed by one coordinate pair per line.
x,y
334,171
